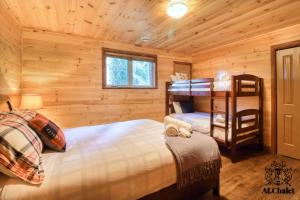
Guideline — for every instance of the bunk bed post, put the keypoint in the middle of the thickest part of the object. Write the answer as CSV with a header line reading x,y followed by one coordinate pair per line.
x,y
226,117
211,82
167,111
233,118
261,113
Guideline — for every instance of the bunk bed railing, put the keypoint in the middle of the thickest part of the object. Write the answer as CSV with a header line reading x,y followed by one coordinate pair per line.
x,y
246,85
247,126
180,88
201,87
194,87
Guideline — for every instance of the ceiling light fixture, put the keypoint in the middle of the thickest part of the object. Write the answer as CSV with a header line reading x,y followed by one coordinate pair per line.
x,y
177,8
145,39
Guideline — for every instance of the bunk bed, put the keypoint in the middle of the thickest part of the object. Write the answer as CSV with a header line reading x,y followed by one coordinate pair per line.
x,y
240,127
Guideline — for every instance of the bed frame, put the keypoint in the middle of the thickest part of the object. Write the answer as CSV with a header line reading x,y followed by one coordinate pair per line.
x,y
186,90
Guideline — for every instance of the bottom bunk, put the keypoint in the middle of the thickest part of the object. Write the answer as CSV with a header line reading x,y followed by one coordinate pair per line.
x,y
200,122
247,125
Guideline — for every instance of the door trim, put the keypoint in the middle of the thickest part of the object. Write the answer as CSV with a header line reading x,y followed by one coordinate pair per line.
x,y
275,48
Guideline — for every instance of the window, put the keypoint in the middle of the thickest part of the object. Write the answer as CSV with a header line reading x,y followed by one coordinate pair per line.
x,y
128,69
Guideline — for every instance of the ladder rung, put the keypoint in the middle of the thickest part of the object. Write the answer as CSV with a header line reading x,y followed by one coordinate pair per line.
x,y
218,97
218,112
220,126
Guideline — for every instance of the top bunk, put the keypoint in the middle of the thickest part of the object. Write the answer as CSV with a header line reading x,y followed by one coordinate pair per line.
x,y
238,86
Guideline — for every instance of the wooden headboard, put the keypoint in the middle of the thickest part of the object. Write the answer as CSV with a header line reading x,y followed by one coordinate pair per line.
x,y
5,99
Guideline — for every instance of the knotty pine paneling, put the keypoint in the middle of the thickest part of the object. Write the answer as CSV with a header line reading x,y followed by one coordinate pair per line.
x,y
209,23
67,71
10,56
247,56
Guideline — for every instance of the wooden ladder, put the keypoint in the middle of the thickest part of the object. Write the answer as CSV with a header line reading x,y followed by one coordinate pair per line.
x,y
226,113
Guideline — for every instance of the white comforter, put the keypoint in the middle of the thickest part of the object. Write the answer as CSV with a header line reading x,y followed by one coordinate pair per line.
x,y
125,160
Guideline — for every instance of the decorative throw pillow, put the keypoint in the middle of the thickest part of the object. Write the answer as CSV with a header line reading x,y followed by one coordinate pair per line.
x,y
187,106
51,135
181,76
20,151
183,107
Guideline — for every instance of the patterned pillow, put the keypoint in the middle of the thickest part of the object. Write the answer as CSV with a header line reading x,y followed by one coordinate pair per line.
x,y
51,135
25,115
182,76
20,151
173,78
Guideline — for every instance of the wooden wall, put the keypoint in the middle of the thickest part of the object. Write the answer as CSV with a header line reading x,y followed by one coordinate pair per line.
x,y
67,71
246,56
10,55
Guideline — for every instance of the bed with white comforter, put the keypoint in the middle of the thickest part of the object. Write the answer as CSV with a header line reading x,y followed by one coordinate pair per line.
x,y
125,160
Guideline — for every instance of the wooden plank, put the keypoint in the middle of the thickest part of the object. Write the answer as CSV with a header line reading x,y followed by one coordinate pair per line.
x,y
66,71
10,57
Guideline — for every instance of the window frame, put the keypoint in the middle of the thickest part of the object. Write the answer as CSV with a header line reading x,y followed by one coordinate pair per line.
x,y
130,55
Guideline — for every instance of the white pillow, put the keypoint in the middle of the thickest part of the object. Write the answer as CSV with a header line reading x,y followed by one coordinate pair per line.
x,y
222,76
177,107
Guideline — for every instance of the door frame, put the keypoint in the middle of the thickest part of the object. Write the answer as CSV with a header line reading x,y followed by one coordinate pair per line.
x,y
274,49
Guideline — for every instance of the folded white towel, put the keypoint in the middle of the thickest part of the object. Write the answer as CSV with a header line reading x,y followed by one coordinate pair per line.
x,y
220,119
171,130
178,123
184,133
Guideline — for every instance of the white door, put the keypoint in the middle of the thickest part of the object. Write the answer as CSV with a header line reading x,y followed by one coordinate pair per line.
x,y
288,102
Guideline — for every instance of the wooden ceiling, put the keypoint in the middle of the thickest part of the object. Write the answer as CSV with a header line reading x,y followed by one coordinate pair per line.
x,y
208,24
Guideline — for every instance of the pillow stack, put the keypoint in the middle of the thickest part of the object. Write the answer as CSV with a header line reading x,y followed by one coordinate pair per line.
x,y
22,136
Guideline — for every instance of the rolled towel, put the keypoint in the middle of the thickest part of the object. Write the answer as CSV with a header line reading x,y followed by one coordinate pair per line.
x,y
179,123
184,133
171,130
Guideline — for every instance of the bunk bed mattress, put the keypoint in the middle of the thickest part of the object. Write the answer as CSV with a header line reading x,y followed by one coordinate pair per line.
x,y
218,86
200,122
125,160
